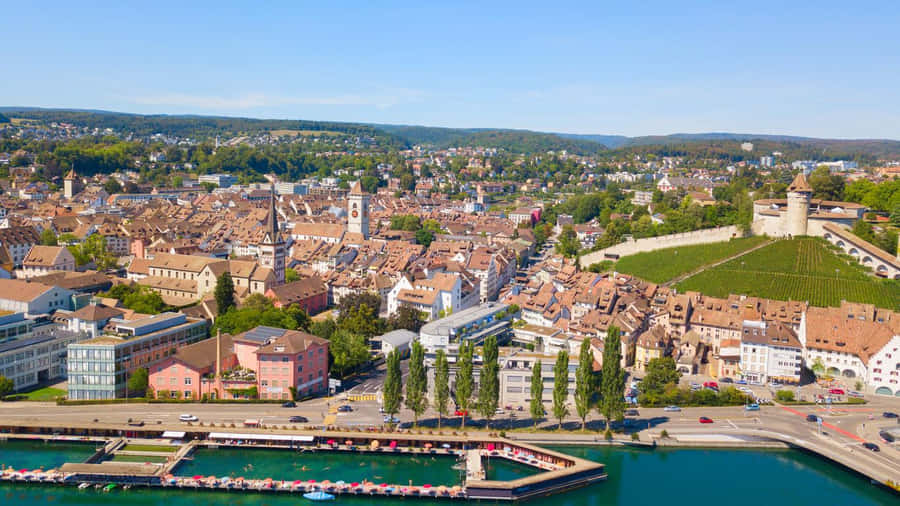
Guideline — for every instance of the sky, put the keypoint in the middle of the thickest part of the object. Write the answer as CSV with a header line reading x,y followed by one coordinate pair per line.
x,y
820,69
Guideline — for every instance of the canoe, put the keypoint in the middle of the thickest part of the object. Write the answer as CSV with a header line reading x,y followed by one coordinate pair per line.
x,y
318,496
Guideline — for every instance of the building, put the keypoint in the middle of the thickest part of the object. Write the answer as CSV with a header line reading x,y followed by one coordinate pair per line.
x,y
31,298
473,324
201,370
70,183
220,180
182,279
516,366
30,359
310,293
770,351
399,340
358,211
18,241
99,368
669,183
291,188
442,293
287,360
652,344
272,247
42,260
89,320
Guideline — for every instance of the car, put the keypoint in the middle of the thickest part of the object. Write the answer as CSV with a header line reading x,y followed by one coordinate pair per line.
x,y
136,423
391,419
696,385
774,384
710,384
632,412
726,380
381,410
855,394
741,382
836,391
346,408
751,407
889,414
461,412
746,390
499,411
671,409
812,418
289,404
887,436
871,446
298,419
704,419
188,418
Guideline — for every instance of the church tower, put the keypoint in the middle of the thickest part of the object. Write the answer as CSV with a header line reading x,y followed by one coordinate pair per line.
x,y
358,211
799,194
69,184
272,249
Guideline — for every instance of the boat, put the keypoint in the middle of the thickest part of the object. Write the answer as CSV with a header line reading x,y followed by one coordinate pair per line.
x,y
318,496
84,486
109,487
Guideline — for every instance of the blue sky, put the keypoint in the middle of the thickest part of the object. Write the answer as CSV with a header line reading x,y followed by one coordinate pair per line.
x,y
824,69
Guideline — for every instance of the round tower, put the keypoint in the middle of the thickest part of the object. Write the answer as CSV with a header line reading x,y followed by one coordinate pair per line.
x,y
799,194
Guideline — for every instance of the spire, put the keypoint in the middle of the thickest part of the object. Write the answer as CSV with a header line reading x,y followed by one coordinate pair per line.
x,y
800,185
272,218
356,189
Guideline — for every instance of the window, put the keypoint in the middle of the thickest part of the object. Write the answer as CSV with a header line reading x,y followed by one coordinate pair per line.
x,y
187,381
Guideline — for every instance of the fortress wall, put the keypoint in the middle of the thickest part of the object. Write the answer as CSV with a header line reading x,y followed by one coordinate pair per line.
x,y
633,246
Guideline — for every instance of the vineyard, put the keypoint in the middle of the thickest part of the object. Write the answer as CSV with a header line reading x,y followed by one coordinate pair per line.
x,y
800,269
666,264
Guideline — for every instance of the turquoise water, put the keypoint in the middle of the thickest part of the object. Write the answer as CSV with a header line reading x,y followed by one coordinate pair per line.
x,y
504,470
21,454
256,463
636,477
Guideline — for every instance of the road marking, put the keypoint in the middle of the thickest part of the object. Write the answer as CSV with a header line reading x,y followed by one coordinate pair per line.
x,y
732,424
828,425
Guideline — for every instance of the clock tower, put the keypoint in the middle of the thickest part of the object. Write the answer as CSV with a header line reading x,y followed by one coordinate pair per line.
x,y
272,248
358,211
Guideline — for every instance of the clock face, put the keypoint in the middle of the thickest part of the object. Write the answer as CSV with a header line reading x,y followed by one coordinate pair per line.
x,y
355,213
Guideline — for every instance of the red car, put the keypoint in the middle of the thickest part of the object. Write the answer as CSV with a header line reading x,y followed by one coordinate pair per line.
x,y
461,412
710,384
837,391
704,419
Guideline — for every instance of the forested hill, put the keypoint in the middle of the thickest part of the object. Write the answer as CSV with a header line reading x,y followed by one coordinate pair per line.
x,y
517,141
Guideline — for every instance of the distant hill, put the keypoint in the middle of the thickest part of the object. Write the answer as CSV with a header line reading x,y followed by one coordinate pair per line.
x,y
519,141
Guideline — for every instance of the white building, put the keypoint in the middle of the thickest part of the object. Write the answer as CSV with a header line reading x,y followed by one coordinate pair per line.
x,y
21,296
770,351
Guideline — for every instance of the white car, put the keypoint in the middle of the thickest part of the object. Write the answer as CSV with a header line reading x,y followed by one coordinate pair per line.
x,y
671,409
188,418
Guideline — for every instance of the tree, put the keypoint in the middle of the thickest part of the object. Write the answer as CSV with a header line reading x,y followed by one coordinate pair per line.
x,y
224,292
568,244
417,382
661,372
6,386
489,380
612,378
48,238
138,382
561,386
406,318
464,379
360,320
424,237
584,382
441,384
536,408
139,298
348,350
290,275
93,249
392,392
825,185
895,216
177,182
818,367
112,186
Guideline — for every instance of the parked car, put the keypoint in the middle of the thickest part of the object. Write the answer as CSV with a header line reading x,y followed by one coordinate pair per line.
x,y
887,436
499,411
836,391
871,446
774,384
704,419
391,419
345,408
889,414
726,380
289,404
696,385
188,418
461,412
741,382
855,394
136,423
812,418
632,412
751,407
298,419
671,409
710,384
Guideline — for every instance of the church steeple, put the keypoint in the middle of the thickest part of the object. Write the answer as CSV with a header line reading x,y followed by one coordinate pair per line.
x,y
271,249
272,232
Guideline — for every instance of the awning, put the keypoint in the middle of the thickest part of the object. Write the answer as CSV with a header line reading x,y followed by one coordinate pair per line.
x,y
173,434
260,437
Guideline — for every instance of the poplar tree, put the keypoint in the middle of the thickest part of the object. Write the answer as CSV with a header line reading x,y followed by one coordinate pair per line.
x,y
489,380
464,379
584,382
561,386
392,392
417,383
537,393
612,378
224,293
441,384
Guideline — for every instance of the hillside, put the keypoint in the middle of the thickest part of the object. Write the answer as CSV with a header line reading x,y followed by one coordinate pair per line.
x,y
518,141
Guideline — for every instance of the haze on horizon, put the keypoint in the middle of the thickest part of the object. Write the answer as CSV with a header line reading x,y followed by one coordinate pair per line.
x,y
817,70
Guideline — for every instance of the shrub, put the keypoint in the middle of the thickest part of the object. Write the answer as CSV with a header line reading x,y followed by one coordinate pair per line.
x,y
635,436
608,435
664,434
784,395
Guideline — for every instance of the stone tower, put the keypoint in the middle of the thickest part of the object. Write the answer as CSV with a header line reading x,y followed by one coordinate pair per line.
x,y
69,184
798,196
271,249
358,211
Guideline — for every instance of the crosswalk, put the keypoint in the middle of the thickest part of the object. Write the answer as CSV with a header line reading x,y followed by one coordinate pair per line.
x,y
362,397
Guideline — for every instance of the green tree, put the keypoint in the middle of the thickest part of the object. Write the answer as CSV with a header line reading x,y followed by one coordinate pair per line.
x,y
6,386
323,328
360,320
612,378
441,384
417,383
864,231
536,408
48,238
138,382
112,186
290,275
177,182
224,292
348,350
661,372
406,318
818,367
825,185
561,386
489,380
784,396
895,216
392,393
424,237
584,382
464,378
568,244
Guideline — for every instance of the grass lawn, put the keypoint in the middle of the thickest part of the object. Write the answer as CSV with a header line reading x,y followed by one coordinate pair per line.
x,y
138,458
150,448
666,264
45,394
800,269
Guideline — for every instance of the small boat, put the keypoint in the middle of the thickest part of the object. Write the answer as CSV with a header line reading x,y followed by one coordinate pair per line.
x,y
84,486
109,487
318,496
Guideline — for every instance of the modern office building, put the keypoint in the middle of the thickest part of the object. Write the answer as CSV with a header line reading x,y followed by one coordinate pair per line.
x,y
28,358
99,368
472,324
220,180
